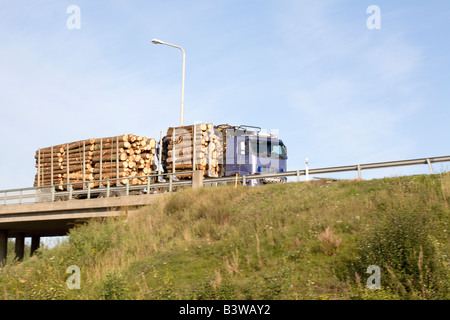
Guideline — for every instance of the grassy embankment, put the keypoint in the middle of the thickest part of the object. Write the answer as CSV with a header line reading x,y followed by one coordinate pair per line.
x,y
292,241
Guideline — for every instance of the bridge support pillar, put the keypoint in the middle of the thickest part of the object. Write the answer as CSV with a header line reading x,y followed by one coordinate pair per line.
x,y
197,179
3,246
20,246
35,244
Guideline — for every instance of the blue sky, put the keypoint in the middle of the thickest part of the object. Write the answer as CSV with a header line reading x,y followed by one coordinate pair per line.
x,y
337,92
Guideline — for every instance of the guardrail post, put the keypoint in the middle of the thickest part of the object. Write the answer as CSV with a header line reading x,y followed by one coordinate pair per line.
x,y
170,183
429,166
108,188
148,184
298,175
359,171
53,193
197,179
306,170
89,191
244,182
128,187
70,188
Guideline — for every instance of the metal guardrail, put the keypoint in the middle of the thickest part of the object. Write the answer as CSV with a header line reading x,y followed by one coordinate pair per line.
x,y
49,193
357,167
377,165
381,165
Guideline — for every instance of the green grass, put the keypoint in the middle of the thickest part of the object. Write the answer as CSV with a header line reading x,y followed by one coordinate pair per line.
x,y
310,240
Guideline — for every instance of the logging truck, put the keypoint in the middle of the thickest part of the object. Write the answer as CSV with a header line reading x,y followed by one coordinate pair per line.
x,y
136,164
223,150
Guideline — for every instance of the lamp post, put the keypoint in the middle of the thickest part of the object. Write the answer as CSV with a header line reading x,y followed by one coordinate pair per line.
x,y
156,41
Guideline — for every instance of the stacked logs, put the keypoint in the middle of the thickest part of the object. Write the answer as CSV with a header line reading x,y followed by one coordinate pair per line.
x,y
196,147
83,162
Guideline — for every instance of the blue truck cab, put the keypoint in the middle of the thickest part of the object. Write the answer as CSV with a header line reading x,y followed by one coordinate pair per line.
x,y
249,151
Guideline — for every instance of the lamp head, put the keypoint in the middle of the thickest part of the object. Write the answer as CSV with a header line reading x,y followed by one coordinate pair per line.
x,y
156,41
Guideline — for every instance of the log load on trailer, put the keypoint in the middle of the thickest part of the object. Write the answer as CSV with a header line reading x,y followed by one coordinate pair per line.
x,y
218,151
224,150
196,147
82,162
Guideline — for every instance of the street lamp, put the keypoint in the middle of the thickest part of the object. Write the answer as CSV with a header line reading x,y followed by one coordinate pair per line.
x,y
156,41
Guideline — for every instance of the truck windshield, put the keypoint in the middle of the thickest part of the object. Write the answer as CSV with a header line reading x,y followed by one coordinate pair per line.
x,y
267,148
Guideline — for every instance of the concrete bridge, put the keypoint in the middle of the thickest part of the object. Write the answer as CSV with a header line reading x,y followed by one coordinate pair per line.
x,y
37,220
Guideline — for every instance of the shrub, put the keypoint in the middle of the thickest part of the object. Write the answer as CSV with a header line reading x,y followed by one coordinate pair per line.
x,y
115,287
209,289
401,245
329,242
178,202
95,238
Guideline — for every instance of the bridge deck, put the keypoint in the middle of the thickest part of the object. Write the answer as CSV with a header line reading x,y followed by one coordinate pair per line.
x,y
55,218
